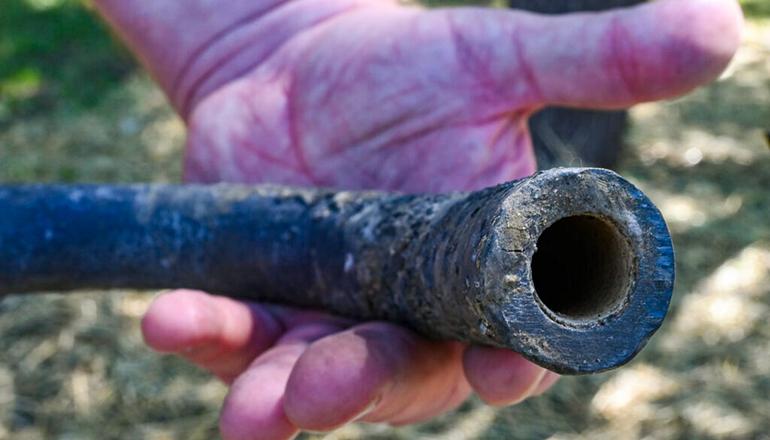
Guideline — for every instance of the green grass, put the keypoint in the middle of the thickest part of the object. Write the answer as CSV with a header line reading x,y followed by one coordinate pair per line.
x,y
54,53
756,8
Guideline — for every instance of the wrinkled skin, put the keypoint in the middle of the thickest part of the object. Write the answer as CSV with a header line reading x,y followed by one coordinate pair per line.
x,y
370,94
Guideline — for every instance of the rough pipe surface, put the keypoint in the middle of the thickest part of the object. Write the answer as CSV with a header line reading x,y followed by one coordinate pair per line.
x,y
573,268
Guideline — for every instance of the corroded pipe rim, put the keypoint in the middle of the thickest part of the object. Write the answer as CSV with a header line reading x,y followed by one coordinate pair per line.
x,y
582,344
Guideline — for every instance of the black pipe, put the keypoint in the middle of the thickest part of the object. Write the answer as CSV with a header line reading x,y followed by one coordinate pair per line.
x,y
573,268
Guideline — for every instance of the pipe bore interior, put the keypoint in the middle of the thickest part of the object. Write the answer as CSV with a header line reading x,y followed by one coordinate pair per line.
x,y
582,269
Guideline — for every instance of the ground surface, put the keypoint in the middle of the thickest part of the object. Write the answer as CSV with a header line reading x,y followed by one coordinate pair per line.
x,y
73,107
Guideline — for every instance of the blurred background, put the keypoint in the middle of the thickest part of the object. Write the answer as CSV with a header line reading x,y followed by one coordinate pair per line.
x,y
75,107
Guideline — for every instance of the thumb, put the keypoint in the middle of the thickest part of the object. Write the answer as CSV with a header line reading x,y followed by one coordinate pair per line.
x,y
609,59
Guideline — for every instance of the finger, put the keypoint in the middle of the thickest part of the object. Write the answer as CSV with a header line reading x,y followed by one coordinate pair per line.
x,y
217,333
500,376
253,409
377,371
605,60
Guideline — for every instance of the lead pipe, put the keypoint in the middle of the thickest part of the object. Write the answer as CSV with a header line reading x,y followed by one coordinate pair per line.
x,y
573,268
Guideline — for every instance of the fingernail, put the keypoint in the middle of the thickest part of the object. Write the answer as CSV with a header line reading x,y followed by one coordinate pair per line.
x,y
369,408
535,384
365,412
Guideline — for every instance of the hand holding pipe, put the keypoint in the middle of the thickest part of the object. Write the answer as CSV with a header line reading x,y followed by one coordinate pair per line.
x,y
573,268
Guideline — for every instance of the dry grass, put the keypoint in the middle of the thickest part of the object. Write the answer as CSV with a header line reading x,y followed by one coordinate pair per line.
x,y
74,366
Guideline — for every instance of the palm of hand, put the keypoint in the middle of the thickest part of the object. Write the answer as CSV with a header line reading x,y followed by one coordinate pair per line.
x,y
380,96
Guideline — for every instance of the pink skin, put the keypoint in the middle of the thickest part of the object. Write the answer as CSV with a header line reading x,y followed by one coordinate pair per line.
x,y
370,94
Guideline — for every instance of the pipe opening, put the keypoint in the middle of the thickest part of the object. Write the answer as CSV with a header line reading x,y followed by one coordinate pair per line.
x,y
582,269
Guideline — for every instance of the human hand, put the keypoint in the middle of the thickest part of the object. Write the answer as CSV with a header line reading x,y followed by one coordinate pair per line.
x,y
369,94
